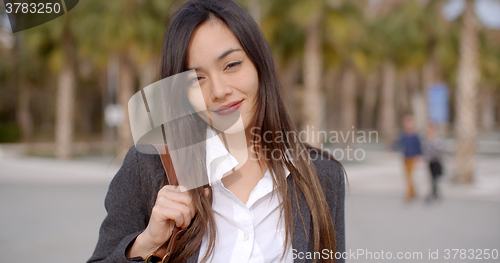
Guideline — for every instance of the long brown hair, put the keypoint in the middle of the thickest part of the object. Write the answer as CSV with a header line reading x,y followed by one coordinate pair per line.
x,y
271,118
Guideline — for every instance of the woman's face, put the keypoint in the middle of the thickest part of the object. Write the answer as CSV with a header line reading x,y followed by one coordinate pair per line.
x,y
227,77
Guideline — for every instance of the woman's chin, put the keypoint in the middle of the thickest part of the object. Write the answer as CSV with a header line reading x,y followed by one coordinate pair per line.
x,y
237,127
229,124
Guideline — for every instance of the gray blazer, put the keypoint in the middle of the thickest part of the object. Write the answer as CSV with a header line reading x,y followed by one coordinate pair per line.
x,y
129,202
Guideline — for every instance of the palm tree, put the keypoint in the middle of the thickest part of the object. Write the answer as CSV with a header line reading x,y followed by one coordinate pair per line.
x,y
325,28
24,117
66,86
369,100
387,40
61,57
387,111
55,44
490,79
405,36
313,71
284,28
348,92
285,37
466,97
344,33
130,32
254,7
332,31
51,44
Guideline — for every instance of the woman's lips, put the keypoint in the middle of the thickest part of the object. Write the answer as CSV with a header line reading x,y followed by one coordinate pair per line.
x,y
229,108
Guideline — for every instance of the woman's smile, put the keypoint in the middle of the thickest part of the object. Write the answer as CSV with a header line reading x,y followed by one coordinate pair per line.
x,y
228,108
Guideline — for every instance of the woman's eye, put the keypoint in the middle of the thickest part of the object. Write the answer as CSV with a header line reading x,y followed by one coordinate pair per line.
x,y
233,64
193,80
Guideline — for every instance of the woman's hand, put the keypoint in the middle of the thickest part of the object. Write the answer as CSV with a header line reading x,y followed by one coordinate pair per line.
x,y
172,208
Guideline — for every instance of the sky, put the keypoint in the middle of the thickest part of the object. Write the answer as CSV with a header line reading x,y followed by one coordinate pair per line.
x,y
488,11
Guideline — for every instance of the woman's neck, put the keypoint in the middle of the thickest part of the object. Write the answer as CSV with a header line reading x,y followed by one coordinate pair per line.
x,y
240,146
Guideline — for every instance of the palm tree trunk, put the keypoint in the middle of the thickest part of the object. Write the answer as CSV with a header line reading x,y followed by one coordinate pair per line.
x,y
65,102
290,79
24,117
416,100
313,68
402,96
332,95
348,102
369,101
429,77
148,74
387,111
487,106
468,75
23,114
419,110
254,9
125,92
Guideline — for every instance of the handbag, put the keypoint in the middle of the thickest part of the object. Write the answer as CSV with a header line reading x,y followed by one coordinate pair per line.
x,y
165,251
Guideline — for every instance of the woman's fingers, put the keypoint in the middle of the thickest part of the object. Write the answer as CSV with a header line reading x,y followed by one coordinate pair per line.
x,y
174,193
167,214
178,212
172,207
171,197
163,214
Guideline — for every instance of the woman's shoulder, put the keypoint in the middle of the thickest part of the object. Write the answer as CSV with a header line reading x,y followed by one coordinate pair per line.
x,y
329,169
143,162
145,157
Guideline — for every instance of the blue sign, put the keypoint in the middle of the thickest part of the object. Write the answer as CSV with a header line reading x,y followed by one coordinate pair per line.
x,y
438,103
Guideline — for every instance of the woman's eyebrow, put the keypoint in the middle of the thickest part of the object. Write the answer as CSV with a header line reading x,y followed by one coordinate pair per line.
x,y
227,52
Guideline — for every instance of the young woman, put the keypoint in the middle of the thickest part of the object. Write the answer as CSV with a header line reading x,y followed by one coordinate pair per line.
x,y
282,205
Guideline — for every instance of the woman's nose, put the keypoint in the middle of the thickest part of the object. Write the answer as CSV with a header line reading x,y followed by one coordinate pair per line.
x,y
220,89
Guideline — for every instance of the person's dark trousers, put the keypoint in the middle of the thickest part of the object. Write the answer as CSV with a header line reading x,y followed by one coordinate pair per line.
x,y
436,172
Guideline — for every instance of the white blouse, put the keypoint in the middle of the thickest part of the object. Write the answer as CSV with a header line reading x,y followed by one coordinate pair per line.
x,y
251,232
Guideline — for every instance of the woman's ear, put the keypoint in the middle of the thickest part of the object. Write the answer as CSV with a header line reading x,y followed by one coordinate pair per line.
x,y
206,191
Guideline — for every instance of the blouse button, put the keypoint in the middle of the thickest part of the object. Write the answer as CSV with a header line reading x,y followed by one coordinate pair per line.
x,y
245,236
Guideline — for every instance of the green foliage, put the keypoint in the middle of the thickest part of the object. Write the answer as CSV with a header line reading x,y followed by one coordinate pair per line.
x,y
281,30
490,57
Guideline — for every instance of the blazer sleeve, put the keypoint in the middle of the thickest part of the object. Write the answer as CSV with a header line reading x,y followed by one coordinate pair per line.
x,y
337,208
331,173
127,213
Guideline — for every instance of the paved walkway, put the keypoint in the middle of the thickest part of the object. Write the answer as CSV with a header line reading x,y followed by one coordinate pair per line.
x,y
53,209
377,218
385,225
382,173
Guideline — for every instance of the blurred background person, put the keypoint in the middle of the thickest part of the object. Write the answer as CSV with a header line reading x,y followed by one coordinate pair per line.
x,y
409,143
433,151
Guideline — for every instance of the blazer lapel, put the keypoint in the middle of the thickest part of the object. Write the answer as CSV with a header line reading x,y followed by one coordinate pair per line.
x,y
301,223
